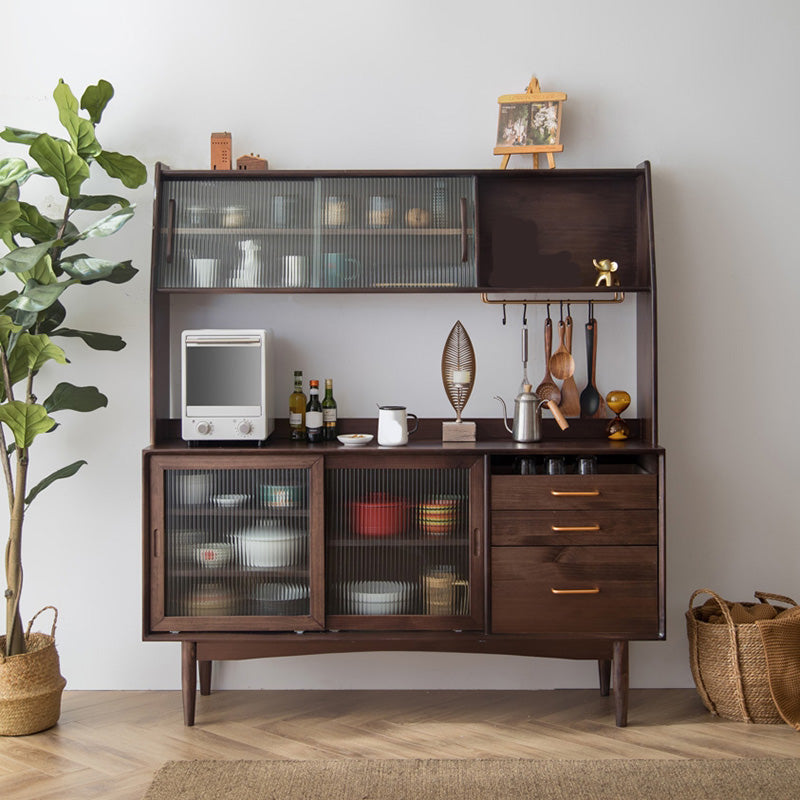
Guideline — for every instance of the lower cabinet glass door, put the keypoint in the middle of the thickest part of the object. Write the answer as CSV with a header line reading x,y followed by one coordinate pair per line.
x,y
233,545
403,544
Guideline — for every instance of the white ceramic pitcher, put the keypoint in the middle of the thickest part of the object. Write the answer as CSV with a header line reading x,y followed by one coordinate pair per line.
x,y
393,425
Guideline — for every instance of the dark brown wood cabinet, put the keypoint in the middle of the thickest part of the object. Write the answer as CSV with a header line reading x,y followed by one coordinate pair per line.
x,y
295,549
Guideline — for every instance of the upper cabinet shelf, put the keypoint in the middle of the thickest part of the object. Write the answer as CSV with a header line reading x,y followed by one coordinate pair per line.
x,y
494,231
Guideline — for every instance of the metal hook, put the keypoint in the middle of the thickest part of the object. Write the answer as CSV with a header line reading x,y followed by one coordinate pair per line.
x,y
569,308
525,314
548,310
590,306
504,313
561,309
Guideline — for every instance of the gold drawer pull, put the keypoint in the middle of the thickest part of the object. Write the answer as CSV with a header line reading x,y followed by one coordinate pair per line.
x,y
593,590
562,528
591,493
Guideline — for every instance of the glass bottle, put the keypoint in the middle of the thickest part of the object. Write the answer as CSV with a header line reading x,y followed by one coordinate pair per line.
x,y
330,420
313,413
297,409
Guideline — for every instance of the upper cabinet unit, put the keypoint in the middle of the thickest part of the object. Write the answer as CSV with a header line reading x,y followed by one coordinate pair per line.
x,y
451,231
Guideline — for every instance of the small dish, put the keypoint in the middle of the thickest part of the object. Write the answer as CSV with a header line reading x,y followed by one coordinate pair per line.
x,y
355,439
229,500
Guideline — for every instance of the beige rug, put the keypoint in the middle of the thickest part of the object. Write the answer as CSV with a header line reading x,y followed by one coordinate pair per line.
x,y
496,779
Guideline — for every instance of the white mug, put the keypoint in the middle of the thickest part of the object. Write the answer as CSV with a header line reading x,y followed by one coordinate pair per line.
x,y
204,271
294,270
393,425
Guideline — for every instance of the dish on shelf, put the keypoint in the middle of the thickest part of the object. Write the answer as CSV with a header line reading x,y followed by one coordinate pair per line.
x,y
271,543
213,554
377,597
211,599
230,500
278,599
378,514
279,495
355,439
439,514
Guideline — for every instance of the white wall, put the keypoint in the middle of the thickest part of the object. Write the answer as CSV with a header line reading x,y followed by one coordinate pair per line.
x,y
705,90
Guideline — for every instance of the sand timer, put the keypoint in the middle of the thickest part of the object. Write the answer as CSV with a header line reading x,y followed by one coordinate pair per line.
x,y
618,401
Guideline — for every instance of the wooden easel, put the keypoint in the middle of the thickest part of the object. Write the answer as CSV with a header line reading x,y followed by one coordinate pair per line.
x,y
533,94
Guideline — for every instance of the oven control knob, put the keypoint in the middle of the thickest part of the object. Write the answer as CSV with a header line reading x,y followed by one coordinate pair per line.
x,y
244,427
204,428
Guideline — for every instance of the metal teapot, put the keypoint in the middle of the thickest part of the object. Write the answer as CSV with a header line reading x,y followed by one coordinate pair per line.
x,y
528,415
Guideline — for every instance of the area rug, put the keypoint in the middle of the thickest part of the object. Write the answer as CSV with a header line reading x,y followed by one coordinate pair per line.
x,y
495,779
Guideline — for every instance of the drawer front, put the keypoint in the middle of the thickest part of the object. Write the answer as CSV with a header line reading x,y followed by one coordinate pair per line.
x,y
574,491
607,591
518,528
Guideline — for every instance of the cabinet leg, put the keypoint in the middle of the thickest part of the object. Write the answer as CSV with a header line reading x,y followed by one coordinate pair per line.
x,y
621,682
205,677
604,668
188,680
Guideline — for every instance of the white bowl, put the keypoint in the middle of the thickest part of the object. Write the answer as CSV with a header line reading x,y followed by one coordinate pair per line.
x,y
213,554
378,597
271,543
230,500
355,439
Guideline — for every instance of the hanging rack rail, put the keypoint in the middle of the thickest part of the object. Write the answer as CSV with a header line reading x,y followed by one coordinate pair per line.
x,y
618,297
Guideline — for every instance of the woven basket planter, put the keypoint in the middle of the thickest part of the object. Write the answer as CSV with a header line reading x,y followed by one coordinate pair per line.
x,y
31,684
730,666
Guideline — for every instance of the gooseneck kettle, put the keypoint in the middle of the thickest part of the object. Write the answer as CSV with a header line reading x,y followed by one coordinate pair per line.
x,y
528,415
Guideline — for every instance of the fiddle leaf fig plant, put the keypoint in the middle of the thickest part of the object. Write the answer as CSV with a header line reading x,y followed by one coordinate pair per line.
x,y
36,270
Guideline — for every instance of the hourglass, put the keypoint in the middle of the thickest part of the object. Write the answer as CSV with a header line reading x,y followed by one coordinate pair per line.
x,y
618,401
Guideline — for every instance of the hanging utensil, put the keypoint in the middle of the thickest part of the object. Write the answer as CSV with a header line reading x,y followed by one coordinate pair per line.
x,y
547,390
592,404
570,397
525,380
562,364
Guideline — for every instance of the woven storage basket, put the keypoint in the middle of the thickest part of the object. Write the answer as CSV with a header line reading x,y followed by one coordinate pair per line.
x,y
729,663
31,683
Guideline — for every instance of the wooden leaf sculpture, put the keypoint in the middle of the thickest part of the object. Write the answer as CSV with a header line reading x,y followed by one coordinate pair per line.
x,y
458,356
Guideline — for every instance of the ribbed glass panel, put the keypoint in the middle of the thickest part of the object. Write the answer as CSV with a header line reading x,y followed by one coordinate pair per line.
x,y
237,542
396,232
340,233
397,541
237,234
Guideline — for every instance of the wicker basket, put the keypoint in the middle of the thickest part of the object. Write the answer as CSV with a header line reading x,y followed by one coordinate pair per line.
x,y
31,683
729,662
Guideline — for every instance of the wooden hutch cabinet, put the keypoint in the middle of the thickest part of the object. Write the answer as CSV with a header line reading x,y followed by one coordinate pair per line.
x,y
293,549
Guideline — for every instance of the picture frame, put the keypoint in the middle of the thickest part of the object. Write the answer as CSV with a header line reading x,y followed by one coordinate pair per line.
x,y
529,122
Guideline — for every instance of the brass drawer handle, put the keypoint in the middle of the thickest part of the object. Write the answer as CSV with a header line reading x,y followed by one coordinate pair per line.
x,y
593,590
592,493
594,527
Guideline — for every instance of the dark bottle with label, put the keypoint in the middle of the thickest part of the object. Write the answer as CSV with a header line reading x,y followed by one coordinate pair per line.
x,y
330,420
297,409
313,414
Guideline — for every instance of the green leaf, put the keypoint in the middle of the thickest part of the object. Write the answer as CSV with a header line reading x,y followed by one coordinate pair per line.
x,y
51,317
81,131
64,472
35,350
128,169
59,160
34,225
26,421
7,327
108,224
35,297
19,136
122,273
9,212
86,268
97,341
24,259
95,99
100,202
66,397
11,170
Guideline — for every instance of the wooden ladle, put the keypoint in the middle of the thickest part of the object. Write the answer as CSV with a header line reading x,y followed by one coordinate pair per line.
x,y
570,396
562,364
547,390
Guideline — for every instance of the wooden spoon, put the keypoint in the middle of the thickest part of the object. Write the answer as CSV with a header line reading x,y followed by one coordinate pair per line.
x,y
547,390
592,404
570,397
562,364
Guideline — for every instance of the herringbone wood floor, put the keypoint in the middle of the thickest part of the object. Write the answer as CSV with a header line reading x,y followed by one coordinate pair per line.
x,y
108,744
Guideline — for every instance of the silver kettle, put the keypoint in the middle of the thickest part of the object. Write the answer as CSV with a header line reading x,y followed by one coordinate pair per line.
x,y
528,415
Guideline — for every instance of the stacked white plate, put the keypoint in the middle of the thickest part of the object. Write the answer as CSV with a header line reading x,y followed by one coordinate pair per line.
x,y
377,597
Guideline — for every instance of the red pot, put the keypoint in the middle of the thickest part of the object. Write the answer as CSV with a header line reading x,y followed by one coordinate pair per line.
x,y
378,515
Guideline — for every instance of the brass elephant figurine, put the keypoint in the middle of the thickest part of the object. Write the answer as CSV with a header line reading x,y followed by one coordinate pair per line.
x,y
605,267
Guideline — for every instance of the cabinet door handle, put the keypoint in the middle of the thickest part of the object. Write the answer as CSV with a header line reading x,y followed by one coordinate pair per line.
x,y
593,590
170,229
155,543
561,528
464,253
591,493
476,542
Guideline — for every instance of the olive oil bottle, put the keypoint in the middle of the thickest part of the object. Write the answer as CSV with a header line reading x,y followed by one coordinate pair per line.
x,y
330,420
297,409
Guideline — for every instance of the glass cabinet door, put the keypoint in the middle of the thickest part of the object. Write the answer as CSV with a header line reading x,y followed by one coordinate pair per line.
x,y
235,546
297,234
403,544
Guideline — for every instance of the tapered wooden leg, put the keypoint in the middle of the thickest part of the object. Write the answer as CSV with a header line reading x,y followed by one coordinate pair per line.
x,y
205,677
621,682
188,680
604,668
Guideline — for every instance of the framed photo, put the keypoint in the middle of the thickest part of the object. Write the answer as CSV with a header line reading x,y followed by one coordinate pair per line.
x,y
529,123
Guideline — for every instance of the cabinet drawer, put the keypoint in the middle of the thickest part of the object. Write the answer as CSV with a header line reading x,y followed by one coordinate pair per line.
x,y
610,591
574,491
565,527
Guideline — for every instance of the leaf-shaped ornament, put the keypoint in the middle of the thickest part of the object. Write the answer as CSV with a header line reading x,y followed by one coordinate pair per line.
x,y
458,356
